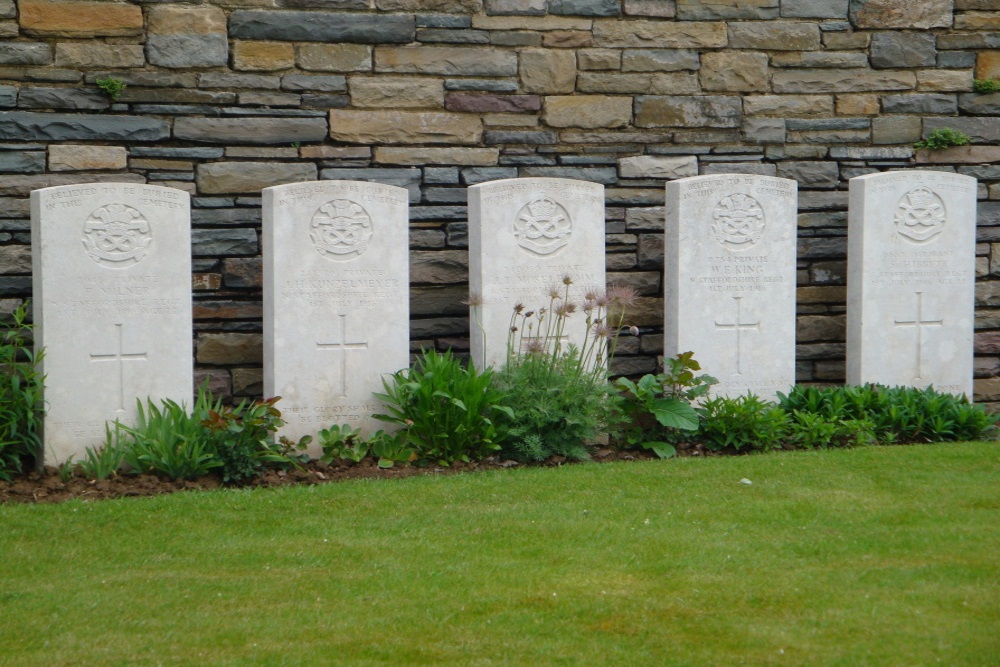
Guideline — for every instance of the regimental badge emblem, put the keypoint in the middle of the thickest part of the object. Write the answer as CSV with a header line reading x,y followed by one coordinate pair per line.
x,y
341,230
117,236
542,226
738,221
920,215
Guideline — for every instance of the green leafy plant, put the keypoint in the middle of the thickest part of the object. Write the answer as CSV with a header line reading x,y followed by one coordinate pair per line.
x,y
242,438
743,422
558,392
944,137
112,87
166,439
446,410
814,431
21,400
391,448
659,407
986,86
342,443
103,462
896,414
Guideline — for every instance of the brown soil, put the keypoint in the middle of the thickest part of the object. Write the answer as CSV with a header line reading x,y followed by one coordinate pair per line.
x,y
48,487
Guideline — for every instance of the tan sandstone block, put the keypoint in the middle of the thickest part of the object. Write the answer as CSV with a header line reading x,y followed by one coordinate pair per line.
x,y
944,80
404,127
660,34
263,56
988,65
250,177
95,54
587,111
857,105
477,157
547,71
80,19
734,71
66,157
334,57
788,105
977,21
396,92
186,20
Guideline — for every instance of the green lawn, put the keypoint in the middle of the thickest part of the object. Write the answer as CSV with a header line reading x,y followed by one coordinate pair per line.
x,y
886,556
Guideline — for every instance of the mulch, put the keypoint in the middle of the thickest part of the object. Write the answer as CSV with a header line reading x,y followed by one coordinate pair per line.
x,y
47,486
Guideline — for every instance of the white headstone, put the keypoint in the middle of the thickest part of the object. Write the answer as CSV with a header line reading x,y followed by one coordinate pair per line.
x,y
911,280
525,236
336,300
112,306
729,279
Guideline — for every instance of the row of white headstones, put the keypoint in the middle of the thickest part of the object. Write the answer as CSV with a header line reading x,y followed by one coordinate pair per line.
x,y
112,287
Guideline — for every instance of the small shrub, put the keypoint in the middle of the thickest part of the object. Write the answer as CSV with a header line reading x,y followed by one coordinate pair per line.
x,y
445,410
166,439
342,443
112,87
559,394
659,407
391,448
944,137
242,438
103,462
744,422
21,401
985,86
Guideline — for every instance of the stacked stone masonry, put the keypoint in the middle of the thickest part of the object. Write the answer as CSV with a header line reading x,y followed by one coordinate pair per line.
x,y
223,99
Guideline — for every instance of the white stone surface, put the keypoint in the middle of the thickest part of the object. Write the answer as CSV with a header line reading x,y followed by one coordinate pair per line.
x,y
336,300
112,305
525,235
729,279
911,280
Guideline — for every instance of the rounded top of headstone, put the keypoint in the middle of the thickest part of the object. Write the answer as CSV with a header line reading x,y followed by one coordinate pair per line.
x,y
536,183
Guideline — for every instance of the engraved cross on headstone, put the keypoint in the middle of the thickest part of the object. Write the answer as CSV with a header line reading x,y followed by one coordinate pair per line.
x,y
121,357
343,346
738,325
919,323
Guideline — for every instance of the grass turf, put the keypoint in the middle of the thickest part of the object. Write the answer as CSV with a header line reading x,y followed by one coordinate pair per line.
x,y
885,556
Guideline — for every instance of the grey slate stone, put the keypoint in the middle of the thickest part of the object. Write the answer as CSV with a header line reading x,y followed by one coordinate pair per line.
x,y
326,101
585,7
225,242
490,85
903,49
814,9
515,7
23,162
956,59
250,130
441,175
806,124
187,50
738,168
445,195
606,175
474,175
189,153
811,174
919,103
842,153
175,109
525,160
8,96
25,53
304,82
764,130
8,10
533,137
26,126
980,105
225,216
982,130
322,27
39,97
983,172
698,10
430,213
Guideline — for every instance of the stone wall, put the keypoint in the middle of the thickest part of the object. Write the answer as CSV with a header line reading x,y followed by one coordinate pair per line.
x,y
226,97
